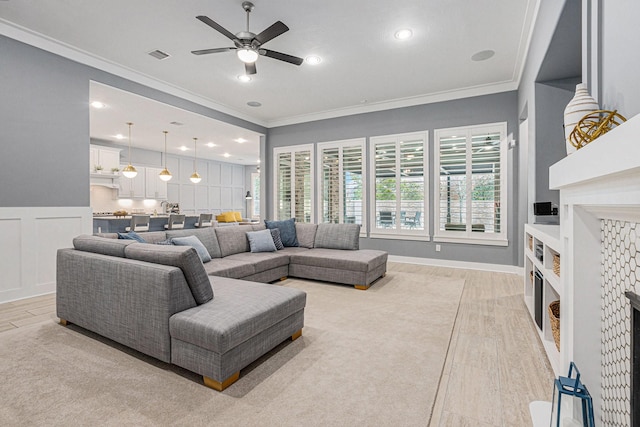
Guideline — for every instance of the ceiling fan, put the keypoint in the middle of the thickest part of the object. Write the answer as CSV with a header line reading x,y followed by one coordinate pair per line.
x,y
248,45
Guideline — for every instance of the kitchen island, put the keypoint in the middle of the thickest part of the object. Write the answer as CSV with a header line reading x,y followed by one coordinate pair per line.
x,y
118,224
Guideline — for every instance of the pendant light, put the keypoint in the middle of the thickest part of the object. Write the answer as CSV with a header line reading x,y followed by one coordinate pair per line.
x,y
165,175
195,176
129,171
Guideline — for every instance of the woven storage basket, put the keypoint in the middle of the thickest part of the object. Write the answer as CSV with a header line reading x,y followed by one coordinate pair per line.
x,y
530,242
556,264
554,320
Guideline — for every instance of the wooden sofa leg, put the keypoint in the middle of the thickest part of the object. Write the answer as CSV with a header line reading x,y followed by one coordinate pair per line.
x,y
296,335
283,278
361,287
219,386
64,322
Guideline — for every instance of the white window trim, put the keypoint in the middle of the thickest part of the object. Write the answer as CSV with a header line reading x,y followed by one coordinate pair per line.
x,y
382,233
362,143
293,149
471,237
255,175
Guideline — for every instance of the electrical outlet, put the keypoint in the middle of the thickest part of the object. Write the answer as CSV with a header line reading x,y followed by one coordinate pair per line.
x,y
437,248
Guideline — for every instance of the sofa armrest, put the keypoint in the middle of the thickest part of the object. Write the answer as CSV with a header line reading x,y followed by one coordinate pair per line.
x,y
125,300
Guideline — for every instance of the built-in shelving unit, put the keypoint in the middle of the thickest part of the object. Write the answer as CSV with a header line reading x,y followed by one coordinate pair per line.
x,y
542,245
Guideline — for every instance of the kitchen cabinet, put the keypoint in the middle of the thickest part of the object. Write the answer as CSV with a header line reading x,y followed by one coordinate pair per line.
x,y
132,188
155,188
107,157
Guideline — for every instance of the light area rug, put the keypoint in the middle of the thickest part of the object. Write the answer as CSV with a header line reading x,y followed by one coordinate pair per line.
x,y
366,358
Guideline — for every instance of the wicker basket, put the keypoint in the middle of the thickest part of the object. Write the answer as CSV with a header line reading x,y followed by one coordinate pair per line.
x,y
554,320
531,277
556,264
531,243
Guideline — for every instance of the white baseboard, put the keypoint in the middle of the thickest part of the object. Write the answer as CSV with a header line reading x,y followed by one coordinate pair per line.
x,y
31,237
500,268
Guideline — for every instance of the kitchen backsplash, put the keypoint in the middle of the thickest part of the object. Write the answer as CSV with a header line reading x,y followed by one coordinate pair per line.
x,y
105,199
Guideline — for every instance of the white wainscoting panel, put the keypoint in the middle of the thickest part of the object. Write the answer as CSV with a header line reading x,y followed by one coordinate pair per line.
x,y
31,238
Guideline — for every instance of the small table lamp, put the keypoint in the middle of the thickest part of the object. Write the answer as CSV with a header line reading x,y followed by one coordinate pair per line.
x,y
577,410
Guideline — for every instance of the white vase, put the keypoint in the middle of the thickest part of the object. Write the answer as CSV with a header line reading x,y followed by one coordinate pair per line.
x,y
581,105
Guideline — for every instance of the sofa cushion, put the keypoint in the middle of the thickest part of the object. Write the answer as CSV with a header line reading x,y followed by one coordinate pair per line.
x,y
206,235
306,234
287,230
195,243
338,236
261,241
277,241
184,257
101,245
262,261
131,235
240,311
225,267
154,236
232,240
362,260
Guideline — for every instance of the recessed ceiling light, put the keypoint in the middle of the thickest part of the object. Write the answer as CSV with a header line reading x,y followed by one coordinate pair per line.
x,y
97,104
254,104
258,160
211,145
244,78
313,60
119,136
226,155
483,55
183,148
403,34
240,140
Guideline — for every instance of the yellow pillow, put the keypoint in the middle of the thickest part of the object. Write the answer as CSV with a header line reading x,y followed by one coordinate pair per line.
x,y
226,217
238,216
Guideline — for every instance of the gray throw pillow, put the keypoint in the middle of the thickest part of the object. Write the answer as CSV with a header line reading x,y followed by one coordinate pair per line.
x,y
275,235
338,236
261,241
287,231
132,235
195,243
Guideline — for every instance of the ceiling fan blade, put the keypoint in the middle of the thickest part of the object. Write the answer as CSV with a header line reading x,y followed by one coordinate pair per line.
x,y
281,56
216,50
250,68
272,32
219,28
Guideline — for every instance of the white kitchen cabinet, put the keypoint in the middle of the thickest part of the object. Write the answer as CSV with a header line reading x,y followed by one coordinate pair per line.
x,y
132,188
107,157
155,188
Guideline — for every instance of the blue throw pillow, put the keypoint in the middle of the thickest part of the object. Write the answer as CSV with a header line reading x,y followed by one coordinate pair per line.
x,y
275,235
195,243
132,235
287,231
261,241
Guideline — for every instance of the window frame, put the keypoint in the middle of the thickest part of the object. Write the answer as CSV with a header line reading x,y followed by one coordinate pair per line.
x,y
398,233
292,150
257,195
340,145
470,237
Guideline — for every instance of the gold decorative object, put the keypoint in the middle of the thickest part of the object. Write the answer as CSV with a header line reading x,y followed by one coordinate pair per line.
x,y
594,125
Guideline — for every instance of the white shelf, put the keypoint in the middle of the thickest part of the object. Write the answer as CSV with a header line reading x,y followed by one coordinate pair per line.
x,y
547,237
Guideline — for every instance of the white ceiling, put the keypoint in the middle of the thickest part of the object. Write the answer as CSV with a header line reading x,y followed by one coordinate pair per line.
x,y
364,67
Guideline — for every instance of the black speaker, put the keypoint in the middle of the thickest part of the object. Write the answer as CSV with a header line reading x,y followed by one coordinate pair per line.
x,y
544,208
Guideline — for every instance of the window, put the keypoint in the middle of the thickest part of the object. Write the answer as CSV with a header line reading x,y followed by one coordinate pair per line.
x,y
399,189
470,175
342,190
293,181
255,191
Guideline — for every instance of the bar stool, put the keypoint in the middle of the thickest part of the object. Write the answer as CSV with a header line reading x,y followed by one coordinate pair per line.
x,y
139,223
204,220
176,221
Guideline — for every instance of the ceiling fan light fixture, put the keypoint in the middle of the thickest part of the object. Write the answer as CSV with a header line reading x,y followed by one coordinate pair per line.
x,y
244,78
313,60
248,56
403,34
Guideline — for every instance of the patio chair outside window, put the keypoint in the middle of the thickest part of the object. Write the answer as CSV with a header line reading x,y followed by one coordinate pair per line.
x,y
386,219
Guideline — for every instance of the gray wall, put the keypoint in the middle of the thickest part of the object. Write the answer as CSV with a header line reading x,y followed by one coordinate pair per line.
x,y
44,113
470,111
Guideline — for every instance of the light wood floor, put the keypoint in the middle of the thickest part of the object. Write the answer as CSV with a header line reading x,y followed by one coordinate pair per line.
x,y
495,364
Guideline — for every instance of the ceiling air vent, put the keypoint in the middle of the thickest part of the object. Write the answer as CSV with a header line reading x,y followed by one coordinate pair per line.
x,y
158,54
176,123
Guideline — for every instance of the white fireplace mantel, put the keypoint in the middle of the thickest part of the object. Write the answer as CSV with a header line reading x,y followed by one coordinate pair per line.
x,y
599,181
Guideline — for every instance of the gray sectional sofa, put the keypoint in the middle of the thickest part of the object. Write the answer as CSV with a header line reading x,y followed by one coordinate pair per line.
x,y
213,318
